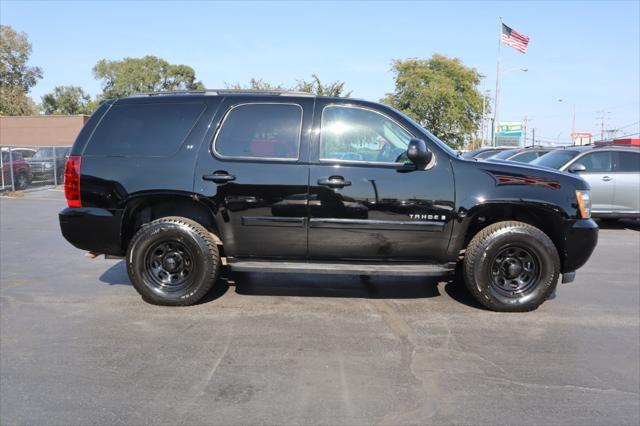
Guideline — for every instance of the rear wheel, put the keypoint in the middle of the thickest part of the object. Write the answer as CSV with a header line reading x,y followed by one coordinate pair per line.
x,y
511,266
173,261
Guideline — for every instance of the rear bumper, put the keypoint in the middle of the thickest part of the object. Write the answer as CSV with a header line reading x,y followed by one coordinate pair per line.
x,y
92,229
581,237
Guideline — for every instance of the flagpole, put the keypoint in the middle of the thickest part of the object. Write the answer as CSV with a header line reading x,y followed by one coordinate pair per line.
x,y
497,100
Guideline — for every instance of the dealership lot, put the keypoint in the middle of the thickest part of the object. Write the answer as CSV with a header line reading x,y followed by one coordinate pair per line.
x,y
79,346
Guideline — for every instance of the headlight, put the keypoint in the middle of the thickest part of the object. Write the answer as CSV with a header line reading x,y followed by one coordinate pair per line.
x,y
48,165
584,203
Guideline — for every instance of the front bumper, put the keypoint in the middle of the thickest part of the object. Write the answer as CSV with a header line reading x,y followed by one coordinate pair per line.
x,y
580,239
92,229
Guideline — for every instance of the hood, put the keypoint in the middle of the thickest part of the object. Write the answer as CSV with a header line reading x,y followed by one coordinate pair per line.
x,y
525,170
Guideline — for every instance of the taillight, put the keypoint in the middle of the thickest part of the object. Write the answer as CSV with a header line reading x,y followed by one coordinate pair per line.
x,y
72,181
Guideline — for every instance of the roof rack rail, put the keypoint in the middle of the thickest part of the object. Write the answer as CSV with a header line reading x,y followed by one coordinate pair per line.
x,y
214,92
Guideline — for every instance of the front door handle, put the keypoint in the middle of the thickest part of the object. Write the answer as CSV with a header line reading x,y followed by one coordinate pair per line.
x,y
219,176
607,178
334,182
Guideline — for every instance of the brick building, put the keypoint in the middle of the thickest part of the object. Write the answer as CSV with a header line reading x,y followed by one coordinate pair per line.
x,y
40,130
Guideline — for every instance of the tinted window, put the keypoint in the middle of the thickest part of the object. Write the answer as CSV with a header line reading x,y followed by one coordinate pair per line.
x,y
555,159
486,154
16,156
628,162
503,155
356,134
261,131
144,129
525,157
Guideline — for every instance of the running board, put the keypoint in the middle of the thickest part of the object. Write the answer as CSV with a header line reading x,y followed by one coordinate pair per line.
x,y
403,269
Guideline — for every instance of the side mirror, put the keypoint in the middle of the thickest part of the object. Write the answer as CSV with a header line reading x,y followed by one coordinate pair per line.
x,y
577,167
418,153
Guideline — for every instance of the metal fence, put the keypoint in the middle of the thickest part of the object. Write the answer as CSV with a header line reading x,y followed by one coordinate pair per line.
x,y
25,168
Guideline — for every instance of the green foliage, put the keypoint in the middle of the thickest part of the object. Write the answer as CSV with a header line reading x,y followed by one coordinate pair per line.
x,y
16,78
315,86
14,101
441,94
256,84
139,75
68,100
335,88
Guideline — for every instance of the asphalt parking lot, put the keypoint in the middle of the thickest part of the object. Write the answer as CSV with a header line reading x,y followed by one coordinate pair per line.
x,y
79,346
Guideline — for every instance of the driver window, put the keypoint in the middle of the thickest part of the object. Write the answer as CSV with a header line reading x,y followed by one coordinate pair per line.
x,y
357,134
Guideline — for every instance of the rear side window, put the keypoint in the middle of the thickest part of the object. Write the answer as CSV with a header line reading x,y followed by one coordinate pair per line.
x,y
148,130
266,131
628,162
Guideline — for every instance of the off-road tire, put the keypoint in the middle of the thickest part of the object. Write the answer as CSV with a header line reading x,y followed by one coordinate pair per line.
x,y
22,181
482,254
188,240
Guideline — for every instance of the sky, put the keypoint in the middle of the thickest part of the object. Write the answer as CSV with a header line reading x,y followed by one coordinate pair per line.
x,y
586,53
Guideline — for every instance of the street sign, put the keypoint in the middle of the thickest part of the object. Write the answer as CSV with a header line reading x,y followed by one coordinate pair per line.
x,y
509,134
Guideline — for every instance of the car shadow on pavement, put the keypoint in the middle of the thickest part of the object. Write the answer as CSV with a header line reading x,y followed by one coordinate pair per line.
x,y
627,224
347,286
310,285
116,274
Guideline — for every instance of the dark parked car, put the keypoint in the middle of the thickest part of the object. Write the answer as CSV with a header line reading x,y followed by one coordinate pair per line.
x,y
181,184
44,163
482,153
21,170
520,155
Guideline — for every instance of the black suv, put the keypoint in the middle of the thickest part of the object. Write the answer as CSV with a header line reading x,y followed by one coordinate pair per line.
x,y
183,183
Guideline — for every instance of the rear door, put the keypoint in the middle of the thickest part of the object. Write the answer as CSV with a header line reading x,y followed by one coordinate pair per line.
x,y
364,202
626,198
253,170
599,175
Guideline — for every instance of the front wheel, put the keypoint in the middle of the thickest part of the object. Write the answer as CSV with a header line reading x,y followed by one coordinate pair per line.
x,y
173,261
511,267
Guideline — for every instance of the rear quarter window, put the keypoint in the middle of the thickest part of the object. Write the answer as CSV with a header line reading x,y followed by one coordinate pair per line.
x,y
147,130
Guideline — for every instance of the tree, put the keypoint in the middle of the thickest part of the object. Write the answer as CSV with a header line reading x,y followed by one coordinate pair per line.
x,y
139,75
68,100
256,84
335,88
315,86
16,77
441,94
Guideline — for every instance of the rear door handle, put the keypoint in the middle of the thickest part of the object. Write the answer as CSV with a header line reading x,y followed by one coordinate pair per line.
x,y
334,182
219,176
607,178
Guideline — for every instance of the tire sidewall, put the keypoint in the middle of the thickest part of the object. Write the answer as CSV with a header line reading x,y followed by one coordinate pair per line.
x,y
150,236
539,245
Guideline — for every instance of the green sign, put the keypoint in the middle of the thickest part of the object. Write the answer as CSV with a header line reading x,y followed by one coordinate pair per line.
x,y
509,134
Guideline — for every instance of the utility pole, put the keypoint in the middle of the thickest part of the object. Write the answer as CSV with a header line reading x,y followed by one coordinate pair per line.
x,y
496,103
525,131
533,138
484,104
602,118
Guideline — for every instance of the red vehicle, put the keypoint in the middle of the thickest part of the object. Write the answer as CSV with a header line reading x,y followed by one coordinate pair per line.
x,y
21,170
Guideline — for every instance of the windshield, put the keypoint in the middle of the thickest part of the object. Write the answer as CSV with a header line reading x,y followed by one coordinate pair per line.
x,y
43,153
503,155
555,159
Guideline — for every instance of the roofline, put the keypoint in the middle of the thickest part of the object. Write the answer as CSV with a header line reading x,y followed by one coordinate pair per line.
x,y
221,92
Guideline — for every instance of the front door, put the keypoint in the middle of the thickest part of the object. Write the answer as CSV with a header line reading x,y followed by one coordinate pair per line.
x,y
365,202
253,170
599,174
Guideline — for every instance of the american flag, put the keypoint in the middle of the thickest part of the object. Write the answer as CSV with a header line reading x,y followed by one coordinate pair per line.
x,y
514,39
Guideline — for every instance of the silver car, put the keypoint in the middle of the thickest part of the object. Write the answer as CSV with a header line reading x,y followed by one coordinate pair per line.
x,y
612,171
